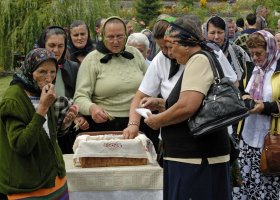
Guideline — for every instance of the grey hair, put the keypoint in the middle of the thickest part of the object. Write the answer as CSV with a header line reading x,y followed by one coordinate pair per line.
x,y
138,38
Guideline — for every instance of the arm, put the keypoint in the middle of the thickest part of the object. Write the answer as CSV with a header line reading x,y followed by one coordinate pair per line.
x,y
23,135
134,118
188,103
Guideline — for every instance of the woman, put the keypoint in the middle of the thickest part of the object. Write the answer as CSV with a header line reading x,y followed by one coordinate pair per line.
x,y
31,160
80,43
193,168
54,39
217,31
263,87
108,79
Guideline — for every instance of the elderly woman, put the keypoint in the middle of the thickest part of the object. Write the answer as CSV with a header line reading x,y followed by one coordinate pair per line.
x,y
108,79
80,43
193,168
31,160
54,39
263,87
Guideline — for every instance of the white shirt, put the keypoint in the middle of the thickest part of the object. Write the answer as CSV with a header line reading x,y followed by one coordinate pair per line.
x,y
156,80
256,126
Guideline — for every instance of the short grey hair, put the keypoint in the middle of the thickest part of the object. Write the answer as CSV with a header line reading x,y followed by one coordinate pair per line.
x,y
138,38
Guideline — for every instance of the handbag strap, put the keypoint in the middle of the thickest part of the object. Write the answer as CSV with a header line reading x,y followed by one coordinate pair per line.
x,y
274,118
215,65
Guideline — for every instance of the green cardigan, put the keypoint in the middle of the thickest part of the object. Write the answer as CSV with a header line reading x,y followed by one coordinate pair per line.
x,y
29,159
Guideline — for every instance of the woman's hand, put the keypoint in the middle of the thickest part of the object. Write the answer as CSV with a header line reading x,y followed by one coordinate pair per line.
x,y
71,115
152,103
131,131
259,106
81,123
47,98
153,121
98,114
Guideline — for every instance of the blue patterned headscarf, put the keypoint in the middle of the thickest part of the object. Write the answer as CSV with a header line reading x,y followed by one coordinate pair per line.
x,y
32,61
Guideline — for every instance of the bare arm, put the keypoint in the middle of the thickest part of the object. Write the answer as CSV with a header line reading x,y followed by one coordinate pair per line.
x,y
134,118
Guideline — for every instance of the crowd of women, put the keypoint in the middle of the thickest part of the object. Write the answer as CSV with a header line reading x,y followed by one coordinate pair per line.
x,y
69,84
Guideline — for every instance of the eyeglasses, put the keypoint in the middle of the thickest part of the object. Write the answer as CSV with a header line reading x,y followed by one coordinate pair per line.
x,y
257,53
112,38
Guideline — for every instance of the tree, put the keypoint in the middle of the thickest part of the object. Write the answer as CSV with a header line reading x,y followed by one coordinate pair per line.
x,y
22,21
147,10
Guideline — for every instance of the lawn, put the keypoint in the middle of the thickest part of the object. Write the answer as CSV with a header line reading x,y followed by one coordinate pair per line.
x,y
4,83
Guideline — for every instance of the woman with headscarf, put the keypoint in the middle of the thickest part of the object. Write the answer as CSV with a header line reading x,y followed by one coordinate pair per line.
x,y
54,38
80,43
108,79
32,165
193,168
264,88
216,30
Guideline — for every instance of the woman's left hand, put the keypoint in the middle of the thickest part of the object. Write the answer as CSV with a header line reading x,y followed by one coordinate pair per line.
x,y
81,122
259,106
152,121
71,114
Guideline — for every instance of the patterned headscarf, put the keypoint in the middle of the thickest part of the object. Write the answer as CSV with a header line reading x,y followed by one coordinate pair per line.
x,y
24,76
272,55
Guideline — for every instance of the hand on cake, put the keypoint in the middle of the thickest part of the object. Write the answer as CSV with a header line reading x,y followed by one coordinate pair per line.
x,y
131,131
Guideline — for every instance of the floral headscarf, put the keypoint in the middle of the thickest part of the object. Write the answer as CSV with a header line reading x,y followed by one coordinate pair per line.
x,y
32,61
272,55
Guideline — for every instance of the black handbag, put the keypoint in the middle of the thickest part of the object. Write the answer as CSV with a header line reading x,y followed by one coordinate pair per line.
x,y
221,107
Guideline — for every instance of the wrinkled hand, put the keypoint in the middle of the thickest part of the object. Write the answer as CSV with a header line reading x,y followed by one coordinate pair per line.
x,y
47,98
98,114
150,103
71,114
81,122
259,106
130,132
152,121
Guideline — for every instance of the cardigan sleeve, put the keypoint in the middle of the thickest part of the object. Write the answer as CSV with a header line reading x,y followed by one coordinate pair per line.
x,y
22,135
270,108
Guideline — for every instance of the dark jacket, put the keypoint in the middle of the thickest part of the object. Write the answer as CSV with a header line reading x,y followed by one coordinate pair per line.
x,y
69,71
29,159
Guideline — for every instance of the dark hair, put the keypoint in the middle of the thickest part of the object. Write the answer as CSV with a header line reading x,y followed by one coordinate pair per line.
x,y
217,22
53,30
251,19
160,28
240,22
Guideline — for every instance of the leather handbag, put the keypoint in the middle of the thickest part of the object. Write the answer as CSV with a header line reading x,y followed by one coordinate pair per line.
x,y
221,107
270,156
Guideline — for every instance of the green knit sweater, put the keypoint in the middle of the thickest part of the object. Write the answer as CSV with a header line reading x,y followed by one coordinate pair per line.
x,y
111,85
29,159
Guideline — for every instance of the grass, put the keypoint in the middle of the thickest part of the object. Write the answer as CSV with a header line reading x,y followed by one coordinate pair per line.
x,y
4,83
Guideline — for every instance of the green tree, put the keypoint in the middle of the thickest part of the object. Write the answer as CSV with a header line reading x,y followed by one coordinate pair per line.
x,y
22,21
147,10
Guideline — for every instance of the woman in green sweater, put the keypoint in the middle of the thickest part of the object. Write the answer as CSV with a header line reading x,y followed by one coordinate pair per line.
x,y
108,79
31,160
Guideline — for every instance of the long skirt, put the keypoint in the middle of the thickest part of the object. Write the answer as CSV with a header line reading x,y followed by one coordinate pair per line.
x,y
255,185
58,192
184,181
